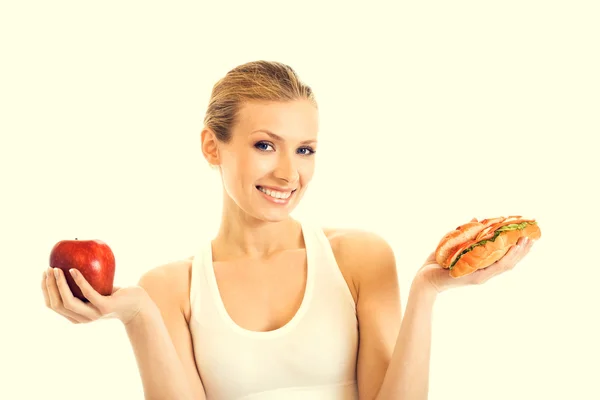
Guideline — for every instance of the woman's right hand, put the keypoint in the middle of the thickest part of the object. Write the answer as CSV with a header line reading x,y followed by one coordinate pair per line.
x,y
123,303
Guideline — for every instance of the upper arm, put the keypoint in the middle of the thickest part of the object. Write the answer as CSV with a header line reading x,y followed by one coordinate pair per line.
x,y
168,287
373,264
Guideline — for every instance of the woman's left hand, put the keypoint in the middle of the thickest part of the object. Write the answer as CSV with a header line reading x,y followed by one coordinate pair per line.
x,y
439,278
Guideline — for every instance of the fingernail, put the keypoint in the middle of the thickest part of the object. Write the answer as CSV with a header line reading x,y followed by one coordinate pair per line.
x,y
56,273
73,271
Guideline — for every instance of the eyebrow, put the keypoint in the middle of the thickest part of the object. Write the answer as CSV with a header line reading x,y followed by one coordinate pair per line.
x,y
279,138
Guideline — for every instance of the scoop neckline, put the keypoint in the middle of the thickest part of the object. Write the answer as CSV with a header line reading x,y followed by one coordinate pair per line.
x,y
220,305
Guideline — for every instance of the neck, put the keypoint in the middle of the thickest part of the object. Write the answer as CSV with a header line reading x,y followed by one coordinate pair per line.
x,y
243,236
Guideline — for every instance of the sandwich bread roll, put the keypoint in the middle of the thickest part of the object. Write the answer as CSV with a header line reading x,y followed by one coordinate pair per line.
x,y
478,244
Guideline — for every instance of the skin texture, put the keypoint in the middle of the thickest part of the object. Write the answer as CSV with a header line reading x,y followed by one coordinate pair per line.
x,y
255,239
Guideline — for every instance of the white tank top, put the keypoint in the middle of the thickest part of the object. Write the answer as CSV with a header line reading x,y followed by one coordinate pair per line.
x,y
312,357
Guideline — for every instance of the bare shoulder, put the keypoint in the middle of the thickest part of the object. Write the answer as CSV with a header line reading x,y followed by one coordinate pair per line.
x,y
169,284
356,245
362,254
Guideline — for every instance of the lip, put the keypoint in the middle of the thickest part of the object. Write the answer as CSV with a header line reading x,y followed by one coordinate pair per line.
x,y
274,200
278,189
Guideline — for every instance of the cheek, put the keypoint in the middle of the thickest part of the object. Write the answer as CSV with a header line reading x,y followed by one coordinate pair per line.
x,y
306,172
259,165
245,168
232,170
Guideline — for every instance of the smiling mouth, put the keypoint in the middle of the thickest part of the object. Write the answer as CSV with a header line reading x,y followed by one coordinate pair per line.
x,y
276,194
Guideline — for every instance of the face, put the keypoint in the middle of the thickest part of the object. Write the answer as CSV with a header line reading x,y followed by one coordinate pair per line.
x,y
270,160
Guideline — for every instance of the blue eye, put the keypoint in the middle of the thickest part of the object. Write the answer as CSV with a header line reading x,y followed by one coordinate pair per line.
x,y
268,147
306,151
263,146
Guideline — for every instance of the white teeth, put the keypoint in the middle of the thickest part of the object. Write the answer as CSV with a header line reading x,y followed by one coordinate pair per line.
x,y
274,193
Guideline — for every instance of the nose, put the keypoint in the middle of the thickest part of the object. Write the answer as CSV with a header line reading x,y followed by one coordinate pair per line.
x,y
286,169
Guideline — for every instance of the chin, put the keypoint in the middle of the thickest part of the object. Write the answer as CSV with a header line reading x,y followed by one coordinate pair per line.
x,y
273,213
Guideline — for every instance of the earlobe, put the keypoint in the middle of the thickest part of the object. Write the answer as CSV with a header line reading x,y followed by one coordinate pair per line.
x,y
210,148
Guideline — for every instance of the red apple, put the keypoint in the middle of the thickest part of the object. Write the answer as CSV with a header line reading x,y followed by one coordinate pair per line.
x,y
93,258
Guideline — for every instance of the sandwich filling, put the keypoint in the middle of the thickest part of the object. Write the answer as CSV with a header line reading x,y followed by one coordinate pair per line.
x,y
509,227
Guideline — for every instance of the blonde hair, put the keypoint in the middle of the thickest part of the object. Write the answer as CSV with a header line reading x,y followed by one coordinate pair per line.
x,y
262,81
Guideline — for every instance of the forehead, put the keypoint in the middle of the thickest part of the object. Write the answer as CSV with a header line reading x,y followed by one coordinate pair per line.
x,y
295,119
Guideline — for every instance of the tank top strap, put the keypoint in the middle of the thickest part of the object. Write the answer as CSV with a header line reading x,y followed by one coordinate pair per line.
x,y
328,274
324,275
200,290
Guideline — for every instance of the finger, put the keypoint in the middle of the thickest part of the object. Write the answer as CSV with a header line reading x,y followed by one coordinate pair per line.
x,y
72,303
45,290
485,274
529,244
53,295
517,253
87,290
431,258
56,300
512,256
47,297
521,250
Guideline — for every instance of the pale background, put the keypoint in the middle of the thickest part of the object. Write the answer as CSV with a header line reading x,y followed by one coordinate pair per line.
x,y
431,114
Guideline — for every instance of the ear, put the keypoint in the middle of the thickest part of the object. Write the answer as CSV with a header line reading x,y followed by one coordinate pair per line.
x,y
210,147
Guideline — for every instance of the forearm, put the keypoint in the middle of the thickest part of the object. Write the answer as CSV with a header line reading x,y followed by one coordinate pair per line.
x,y
162,373
407,376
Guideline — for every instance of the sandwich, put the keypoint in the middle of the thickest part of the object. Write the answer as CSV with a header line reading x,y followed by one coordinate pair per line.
x,y
478,244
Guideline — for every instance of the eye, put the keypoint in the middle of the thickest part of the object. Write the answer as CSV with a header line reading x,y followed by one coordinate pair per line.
x,y
263,146
306,151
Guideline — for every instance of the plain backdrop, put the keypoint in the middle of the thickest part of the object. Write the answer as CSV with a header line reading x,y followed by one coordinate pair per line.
x,y
431,113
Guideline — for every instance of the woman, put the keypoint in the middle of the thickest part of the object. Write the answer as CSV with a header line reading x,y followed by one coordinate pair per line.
x,y
273,308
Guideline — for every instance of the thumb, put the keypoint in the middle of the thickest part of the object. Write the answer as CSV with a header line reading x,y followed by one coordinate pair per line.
x,y
86,289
